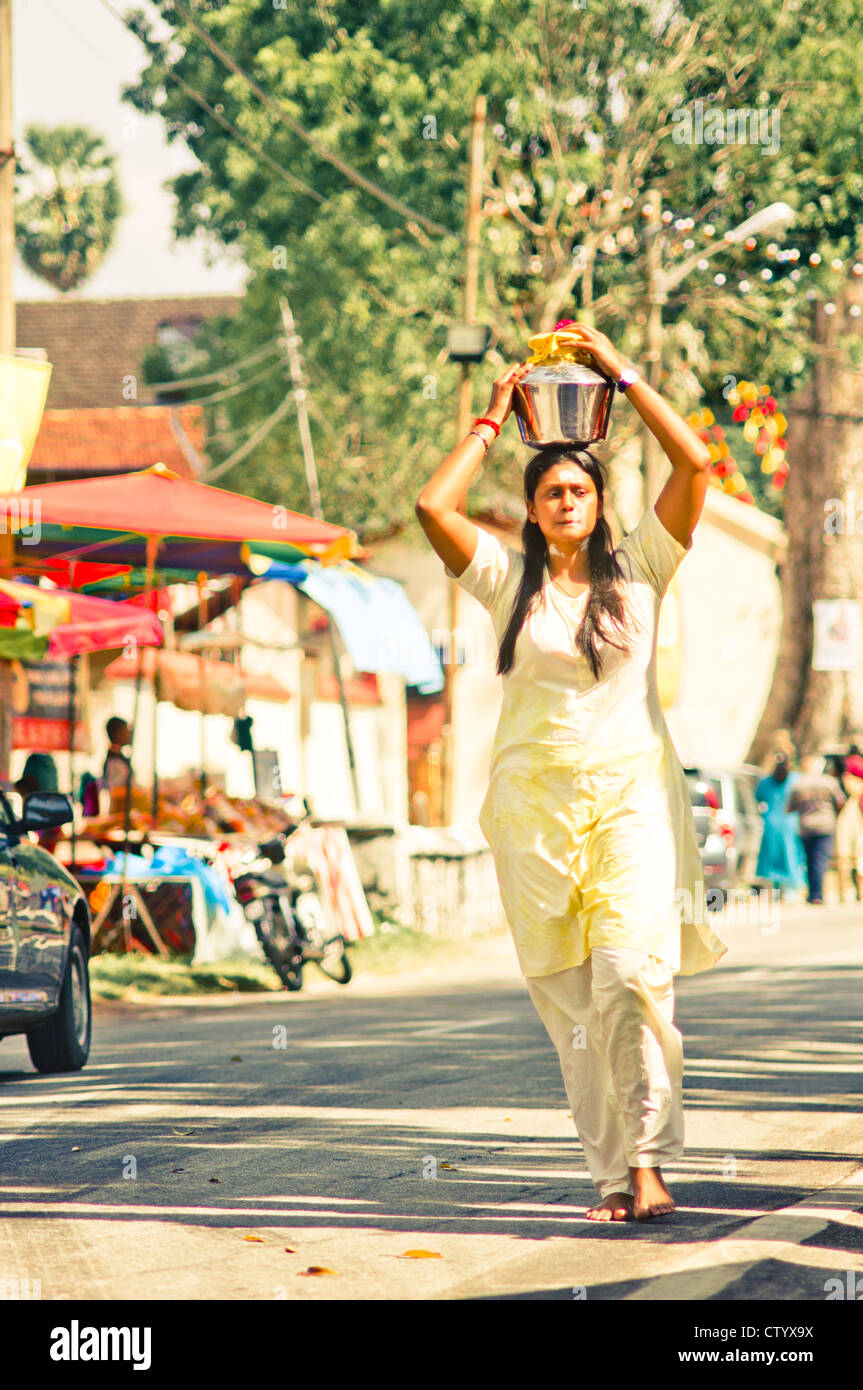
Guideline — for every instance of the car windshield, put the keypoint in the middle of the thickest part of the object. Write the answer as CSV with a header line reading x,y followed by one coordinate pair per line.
x,y
704,791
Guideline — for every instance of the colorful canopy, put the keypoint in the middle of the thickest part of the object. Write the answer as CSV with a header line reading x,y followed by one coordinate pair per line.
x,y
37,623
27,616
380,628
198,527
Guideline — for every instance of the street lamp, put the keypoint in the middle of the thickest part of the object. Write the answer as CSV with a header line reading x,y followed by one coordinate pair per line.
x,y
468,342
661,283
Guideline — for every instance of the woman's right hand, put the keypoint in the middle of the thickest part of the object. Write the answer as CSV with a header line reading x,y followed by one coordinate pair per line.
x,y
501,394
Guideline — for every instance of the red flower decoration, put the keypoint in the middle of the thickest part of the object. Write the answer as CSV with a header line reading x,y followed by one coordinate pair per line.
x,y
741,412
563,323
718,432
779,478
768,405
746,497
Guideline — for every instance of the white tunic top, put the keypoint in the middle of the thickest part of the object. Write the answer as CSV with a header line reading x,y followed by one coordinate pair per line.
x,y
587,811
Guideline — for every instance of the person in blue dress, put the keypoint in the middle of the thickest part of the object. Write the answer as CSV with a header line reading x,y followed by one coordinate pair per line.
x,y
781,858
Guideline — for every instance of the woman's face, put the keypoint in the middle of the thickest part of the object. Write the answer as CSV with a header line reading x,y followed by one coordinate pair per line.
x,y
565,506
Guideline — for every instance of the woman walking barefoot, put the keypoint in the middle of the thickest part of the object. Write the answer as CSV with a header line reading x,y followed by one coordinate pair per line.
x,y
587,811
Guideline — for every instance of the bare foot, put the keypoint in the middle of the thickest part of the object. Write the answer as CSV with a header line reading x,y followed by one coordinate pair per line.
x,y
617,1206
652,1197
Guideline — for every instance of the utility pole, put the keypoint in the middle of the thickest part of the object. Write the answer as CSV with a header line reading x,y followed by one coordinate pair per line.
x,y
651,451
463,421
7,324
292,347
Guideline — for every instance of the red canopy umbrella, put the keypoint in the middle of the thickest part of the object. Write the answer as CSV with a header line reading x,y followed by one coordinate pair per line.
x,y
158,503
73,623
96,624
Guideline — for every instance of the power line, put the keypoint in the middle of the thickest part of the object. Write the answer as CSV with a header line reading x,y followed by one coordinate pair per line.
x,y
220,375
230,391
320,150
243,140
254,439
284,173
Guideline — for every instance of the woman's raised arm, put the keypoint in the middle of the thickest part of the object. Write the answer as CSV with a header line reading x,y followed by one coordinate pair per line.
x,y
440,505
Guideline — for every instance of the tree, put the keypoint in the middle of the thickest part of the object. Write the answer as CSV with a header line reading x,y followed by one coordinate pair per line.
x,y
583,117
68,210
824,518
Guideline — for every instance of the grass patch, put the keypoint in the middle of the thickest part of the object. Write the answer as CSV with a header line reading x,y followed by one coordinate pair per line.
x,y
390,951
395,948
135,976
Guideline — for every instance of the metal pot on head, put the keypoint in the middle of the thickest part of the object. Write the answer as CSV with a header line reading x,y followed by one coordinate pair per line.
x,y
562,400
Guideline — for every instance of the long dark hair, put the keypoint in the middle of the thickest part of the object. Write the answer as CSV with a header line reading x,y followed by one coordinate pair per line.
x,y
604,600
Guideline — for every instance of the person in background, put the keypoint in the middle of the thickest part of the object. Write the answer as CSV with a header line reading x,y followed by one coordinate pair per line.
x,y
817,799
781,857
115,769
40,775
849,831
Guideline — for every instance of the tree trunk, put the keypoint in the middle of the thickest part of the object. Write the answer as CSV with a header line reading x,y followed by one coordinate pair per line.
x,y
825,451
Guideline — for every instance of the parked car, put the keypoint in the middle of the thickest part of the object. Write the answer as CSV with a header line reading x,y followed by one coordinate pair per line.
x,y
728,826
44,940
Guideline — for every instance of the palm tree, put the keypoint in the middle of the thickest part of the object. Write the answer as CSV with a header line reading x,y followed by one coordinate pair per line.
x,y
67,213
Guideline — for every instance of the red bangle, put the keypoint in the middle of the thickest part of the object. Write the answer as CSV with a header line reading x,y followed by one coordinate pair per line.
x,y
495,426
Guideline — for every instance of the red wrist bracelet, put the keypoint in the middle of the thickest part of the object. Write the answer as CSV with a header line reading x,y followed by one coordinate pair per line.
x,y
495,426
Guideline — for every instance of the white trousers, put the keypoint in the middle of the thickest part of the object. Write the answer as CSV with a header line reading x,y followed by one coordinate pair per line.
x,y
621,1056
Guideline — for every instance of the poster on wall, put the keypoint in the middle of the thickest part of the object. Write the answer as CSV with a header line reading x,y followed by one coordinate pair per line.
x,y
41,704
838,635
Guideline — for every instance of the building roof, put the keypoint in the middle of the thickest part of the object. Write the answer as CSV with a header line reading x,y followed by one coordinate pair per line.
x,y
95,345
91,442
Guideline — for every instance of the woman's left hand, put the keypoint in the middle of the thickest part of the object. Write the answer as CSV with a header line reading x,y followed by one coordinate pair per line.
x,y
604,354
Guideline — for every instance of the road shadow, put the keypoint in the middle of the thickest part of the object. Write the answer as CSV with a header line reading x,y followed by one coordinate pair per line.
x,y
440,1111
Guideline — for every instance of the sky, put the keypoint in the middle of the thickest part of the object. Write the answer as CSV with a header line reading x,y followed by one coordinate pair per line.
x,y
71,58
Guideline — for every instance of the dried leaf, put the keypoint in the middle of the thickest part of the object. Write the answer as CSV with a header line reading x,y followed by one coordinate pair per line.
x,y
178,1170
259,1239
289,1250
444,1165
76,1148
317,1269
214,1179
182,1131
236,1059
421,1255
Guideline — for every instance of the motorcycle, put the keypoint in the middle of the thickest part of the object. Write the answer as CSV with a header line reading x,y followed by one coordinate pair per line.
x,y
286,911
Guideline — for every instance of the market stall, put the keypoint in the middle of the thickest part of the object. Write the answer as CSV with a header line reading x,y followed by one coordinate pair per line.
x,y
132,534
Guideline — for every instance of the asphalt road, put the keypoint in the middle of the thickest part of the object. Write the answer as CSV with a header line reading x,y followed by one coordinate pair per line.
x,y
196,1157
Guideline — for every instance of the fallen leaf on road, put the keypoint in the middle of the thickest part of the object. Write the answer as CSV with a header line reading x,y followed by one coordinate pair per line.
x,y
178,1170
236,1059
421,1255
76,1148
259,1239
444,1165
317,1269
214,1179
182,1131
289,1249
